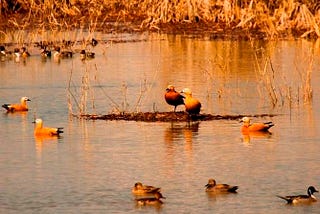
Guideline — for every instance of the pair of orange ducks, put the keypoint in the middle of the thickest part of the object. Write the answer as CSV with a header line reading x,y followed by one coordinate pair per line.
x,y
185,98
193,106
39,130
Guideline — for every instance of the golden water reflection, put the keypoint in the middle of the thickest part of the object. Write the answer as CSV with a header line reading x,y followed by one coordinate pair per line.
x,y
247,138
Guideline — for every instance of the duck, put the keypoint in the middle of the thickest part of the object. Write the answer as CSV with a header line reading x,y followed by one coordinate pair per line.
x,y
17,107
61,54
94,42
213,187
173,97
297,199
45,53
86,55
254,127
156,200
2,51
140,189
39,130
24,52
192,105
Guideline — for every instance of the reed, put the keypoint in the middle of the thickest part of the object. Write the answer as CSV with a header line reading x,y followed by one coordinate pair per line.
x,y
270,18
285,90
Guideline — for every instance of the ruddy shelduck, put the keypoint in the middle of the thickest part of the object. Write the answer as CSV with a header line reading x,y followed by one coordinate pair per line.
x,y
173,97
298,199
39,130
213,187
140,189
192,105
254,127
17,107
156,200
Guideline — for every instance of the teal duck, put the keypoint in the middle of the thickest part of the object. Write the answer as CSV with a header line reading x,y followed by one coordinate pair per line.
x,y
140,189
213,187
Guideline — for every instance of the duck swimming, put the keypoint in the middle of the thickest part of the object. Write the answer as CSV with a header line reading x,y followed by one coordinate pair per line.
x,y
39,130
254,127
140,189
213,187
17,107
296,199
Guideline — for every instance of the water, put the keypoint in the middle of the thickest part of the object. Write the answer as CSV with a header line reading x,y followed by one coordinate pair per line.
x,y
94,165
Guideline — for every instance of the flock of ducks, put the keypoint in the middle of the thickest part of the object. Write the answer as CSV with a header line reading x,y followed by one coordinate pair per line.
x,y
193,107
39,130
47,51
150,195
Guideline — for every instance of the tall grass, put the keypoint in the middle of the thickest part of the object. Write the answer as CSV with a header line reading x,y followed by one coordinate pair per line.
x,y
272,18
284,90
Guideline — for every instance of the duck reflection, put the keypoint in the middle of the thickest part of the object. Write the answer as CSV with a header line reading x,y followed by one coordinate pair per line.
x,y
177,132
249,136
42,141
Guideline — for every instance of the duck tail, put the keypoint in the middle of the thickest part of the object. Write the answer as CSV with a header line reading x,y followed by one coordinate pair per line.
x,y
284,198
233,189
60,130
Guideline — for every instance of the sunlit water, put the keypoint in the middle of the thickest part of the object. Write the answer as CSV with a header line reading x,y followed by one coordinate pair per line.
x,y
93,166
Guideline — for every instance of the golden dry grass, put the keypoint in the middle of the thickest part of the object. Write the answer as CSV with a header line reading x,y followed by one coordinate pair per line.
x,y
272,18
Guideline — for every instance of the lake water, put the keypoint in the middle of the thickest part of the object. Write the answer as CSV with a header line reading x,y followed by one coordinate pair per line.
x,y
94,165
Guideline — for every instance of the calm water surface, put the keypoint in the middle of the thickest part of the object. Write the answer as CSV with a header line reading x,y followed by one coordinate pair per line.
x,y
93,166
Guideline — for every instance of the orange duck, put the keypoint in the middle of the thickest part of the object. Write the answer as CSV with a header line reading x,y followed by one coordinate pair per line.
x,y
192,105
17,107
173,97
39,130
254,127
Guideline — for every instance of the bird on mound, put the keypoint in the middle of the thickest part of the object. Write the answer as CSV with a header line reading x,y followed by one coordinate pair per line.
x,y
298,199
17,107
213,187
140,189
39,130
173,97
254,127
192,105
156,200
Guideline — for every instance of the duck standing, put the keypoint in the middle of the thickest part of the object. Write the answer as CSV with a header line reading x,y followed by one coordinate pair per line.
x,y
192,105
173,97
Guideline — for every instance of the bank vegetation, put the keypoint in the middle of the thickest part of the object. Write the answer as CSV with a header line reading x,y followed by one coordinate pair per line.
x,y
265,18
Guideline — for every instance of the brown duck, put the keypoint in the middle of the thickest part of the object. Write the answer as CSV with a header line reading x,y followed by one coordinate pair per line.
x,y
173,97
213,187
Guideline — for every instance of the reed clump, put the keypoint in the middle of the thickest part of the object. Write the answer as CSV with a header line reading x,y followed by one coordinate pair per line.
x,y
276,18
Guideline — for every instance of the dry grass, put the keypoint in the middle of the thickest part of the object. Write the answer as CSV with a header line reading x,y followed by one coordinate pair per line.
x,y
284,90
272,18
